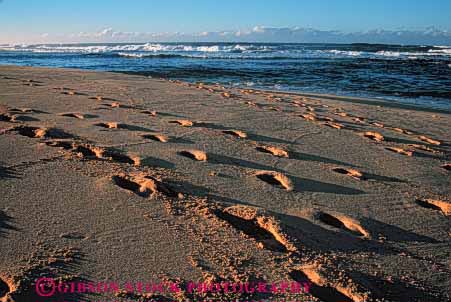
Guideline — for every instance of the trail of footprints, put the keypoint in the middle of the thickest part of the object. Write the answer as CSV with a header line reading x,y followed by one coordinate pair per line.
x,y
264,229
269,234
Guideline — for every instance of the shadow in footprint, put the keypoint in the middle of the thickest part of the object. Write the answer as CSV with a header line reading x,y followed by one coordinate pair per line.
x,y
27,110
73,93
80,116
6,172
211,126
315,236
6,224
400,140
252,229
182,140
201,191
26,118
227,160
169,114
122,126
396,290
134,128
189,188
121,106
263,138
308,185
394,233
104,99
369,176
150,161
316,158
323,293
426,155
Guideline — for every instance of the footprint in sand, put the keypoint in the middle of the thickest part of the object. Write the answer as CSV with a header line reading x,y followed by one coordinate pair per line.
x,y
93,152
275,178
264,229
194,154
273,150
70,93
88,151
342,114
116,125
108,125
143,185
400,130
184,123
327,119
149,112
309,117
375,136
236,133
66,145
359,120
25,110
400,151
251,104
377,124
334,125
424,148
80,116
7,117
349,172
438,205
140,186
319,288
156,137
341,221
117,156
430,140
36,132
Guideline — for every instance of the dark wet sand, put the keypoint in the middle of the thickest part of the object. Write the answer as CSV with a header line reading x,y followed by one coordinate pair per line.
x,y
106,176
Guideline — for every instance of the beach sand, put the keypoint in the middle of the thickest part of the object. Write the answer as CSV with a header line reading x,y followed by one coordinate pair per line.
x,y
106,176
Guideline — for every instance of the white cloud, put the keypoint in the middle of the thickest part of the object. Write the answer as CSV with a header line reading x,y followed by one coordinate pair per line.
x,y
430,35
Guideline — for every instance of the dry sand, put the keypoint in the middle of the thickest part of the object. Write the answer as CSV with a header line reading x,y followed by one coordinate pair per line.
x,y
107,176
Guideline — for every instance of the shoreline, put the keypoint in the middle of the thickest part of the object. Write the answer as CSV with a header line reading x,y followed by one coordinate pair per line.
x,y
381,101
369,100
111,176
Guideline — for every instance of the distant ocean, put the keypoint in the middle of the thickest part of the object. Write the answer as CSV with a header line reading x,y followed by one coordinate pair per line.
x,y
412,74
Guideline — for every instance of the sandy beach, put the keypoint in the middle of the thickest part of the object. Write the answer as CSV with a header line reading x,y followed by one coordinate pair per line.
x,y
115,177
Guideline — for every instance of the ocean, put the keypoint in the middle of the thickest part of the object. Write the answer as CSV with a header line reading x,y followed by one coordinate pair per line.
x,y
418,75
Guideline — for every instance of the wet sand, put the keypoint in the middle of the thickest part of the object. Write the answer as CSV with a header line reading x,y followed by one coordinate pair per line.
x,y
106,176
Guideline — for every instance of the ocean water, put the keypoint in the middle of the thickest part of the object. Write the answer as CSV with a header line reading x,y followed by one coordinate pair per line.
x,y
412,74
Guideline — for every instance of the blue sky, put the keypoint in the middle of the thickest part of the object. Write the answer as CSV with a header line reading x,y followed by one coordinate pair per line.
x,y
23,20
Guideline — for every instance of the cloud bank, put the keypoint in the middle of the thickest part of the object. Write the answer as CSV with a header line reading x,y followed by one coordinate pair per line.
x,y
430,36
